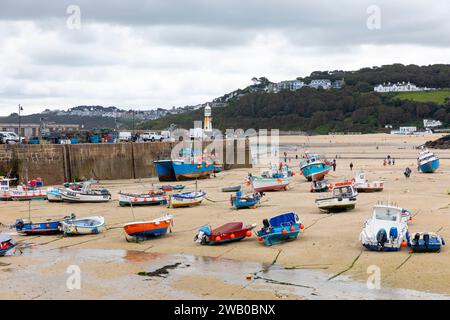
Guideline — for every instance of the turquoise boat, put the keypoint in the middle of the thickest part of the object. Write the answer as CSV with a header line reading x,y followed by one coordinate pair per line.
x,y
284,227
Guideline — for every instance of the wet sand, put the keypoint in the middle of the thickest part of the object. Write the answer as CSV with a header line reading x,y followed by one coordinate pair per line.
x,y
329,245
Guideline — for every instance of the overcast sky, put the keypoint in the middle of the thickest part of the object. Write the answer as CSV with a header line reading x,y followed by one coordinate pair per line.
x,y
162,53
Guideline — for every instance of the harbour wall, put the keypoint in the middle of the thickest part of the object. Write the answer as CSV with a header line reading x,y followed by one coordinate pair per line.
x,y
56,164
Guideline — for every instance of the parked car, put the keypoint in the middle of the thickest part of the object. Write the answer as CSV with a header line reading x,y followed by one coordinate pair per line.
x,y
10,138
152,136
125,136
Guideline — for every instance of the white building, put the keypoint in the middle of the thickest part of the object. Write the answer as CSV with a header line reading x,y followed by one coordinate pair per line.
x,y
398,87
320,83
428,123
404,130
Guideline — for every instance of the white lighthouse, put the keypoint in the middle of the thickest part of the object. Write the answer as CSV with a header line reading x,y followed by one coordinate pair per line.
x,y
207,122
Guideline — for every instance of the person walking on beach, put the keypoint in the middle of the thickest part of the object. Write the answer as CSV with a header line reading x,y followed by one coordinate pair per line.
x,y
334,165
384,162
393,161
407,172
351,166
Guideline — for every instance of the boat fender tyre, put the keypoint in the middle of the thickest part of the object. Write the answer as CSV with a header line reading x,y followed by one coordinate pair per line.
x,y
381,237
203,242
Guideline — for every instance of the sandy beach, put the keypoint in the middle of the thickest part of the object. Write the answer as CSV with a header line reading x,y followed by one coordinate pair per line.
x,y
328,247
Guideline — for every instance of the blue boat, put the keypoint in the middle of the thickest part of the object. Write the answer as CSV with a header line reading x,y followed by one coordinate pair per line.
x,y
48,227
241,201
177,170
281,228
6,244
313,168
427,161
426,242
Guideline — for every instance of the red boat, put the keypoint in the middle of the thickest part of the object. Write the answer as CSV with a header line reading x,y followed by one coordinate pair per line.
x,y
230,232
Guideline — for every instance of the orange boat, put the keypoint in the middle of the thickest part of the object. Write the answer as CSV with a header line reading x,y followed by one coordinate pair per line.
x,y
151,228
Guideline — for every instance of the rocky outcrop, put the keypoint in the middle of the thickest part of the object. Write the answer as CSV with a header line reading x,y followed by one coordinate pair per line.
x,y
441,143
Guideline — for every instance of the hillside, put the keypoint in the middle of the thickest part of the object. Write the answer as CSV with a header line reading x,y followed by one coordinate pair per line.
x,y
438,96
355,107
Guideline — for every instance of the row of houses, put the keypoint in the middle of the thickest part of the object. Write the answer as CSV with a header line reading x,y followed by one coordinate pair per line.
x,y
294,85
399,87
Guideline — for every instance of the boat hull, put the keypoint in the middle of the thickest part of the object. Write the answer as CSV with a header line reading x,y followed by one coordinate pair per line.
x,y
92,225
277,235
43,228
429,167
270,184
141,200
147,229
168,170
316,171
187,199
75,197
336,204
27,195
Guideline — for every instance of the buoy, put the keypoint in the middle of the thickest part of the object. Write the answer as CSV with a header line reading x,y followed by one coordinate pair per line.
x,y
302,226
404,244
135,200
292,228
279,180
248,233
218,238
232,236
259,239
284,231
410,218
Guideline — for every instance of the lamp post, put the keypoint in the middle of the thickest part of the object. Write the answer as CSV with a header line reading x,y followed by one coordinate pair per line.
x,y
20,129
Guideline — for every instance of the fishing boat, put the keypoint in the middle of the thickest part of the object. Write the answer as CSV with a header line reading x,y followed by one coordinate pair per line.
x,y
343,197
426,242
193,164
47,227
6,244
427,161
386,230
86,195
150,228
313,167
89,225
186,199
27,192
170,187
240,201
281,228
231,188
229,232
151,198
361,184
54,193
263,184
320,186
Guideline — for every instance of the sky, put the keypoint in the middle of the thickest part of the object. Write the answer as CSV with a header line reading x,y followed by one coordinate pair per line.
x,y
144,54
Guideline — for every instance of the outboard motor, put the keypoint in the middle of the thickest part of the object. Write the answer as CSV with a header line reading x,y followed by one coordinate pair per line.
x,y
266,224
19,224
381,237
393,233
416,239
426,240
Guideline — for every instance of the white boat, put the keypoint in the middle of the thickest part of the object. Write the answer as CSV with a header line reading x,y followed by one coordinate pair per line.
x,y
386,230
343,197
186,199
271,180
88,225
24,193
361,184
86,195
151,198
